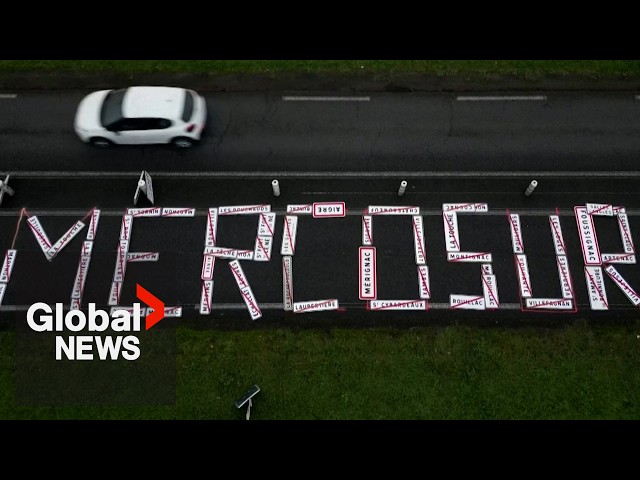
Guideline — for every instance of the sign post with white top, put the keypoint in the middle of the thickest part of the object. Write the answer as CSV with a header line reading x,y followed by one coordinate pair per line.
x,y
145,185
5,188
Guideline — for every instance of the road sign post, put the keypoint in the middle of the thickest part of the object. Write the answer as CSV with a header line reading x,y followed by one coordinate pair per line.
x,y
246,399
532,186
403,186
5,188
145,185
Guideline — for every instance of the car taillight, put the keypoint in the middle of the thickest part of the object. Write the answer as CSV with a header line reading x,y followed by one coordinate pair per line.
x,y
190,127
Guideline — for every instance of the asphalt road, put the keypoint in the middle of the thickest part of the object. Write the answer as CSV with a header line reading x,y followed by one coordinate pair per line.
x,y
376,139
390,132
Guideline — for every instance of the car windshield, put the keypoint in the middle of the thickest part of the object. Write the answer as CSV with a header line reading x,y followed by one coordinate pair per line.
x,y
112,107
188,107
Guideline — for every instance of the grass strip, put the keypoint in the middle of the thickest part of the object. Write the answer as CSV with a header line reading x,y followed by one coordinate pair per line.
x,y
529,69
456,372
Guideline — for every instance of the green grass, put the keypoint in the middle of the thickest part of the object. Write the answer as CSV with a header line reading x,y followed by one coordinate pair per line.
x,y
578,372
470,68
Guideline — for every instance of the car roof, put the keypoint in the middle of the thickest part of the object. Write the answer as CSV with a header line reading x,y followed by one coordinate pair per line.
x,y
153,102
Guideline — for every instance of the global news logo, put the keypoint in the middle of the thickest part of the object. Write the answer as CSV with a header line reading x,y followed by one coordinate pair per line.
x,y
123,343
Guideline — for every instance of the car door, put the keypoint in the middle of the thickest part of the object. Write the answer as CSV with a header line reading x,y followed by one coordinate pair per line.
x,y
142,131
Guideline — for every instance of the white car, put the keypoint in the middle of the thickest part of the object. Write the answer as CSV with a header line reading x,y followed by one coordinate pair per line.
x,y
141,116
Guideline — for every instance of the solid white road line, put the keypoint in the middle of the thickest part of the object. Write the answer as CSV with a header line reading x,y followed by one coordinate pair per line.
x,y
107,175
218,306
8,95
501,98
267,306
292,98
354,211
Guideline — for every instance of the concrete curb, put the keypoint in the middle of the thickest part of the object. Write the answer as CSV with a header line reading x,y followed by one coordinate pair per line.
x,y
310,82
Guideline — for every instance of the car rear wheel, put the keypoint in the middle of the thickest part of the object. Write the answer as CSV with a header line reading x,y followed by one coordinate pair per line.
x,y
100,142
182,142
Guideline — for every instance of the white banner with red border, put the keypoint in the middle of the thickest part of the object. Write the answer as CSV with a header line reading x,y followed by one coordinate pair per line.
x,y
212,228
178,212
81,276
65,239
466,302
114,293
40,235
289,235
329,209
244,209
266,224
565,276
490,292
125,228
315,305
93,224
451,235
471,257
549,303
623,285
263,247
143,256
390,210
144,212
600,209
300,209
245,290
418,240
7,265
424,285
522,270
556,235
378,305
287,283
588,238
596,289
206,297
368,276
465,207
367,230
516,233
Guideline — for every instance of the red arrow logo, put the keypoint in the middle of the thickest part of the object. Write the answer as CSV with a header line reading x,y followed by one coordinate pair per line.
x,y
152,301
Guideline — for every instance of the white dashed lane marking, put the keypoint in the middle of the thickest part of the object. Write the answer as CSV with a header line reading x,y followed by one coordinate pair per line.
x,y
507,98
293,98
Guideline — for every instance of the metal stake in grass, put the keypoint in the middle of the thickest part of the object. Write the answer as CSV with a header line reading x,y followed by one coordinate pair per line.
x,y
246,399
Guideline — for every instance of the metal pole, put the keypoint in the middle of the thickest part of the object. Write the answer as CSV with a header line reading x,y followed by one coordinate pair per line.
x,y
403,186
248,410
532,186
6,188
276,188
141,187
